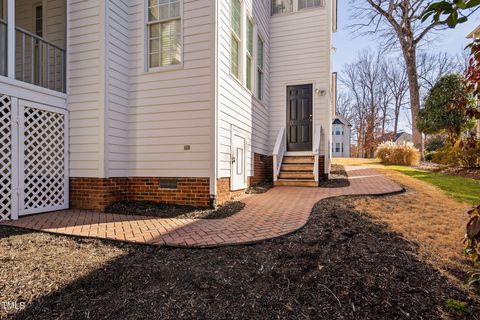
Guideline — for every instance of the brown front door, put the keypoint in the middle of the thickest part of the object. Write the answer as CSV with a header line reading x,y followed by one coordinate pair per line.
x,y
299,118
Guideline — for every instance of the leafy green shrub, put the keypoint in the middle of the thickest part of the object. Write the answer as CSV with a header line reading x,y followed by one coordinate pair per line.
x,y
459,155
437,116
447,155
429,155
435,143
403,153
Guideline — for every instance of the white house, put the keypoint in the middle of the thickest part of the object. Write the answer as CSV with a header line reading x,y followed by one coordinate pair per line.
x,y
183,101
341,137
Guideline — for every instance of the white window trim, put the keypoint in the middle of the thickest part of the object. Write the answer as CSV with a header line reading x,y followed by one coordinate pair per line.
x,y
147,23
296,8
241,43
259,95
251,55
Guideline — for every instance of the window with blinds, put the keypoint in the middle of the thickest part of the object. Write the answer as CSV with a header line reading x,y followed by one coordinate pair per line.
x,y
282,6
164,33
304,4
236,27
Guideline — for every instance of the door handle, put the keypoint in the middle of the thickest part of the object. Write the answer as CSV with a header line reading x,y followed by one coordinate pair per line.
x,y
233,160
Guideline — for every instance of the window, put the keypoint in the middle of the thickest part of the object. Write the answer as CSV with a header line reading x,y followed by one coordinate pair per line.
x,y
337,147
282,6
286,6
39,21
236,27
3,5
164,33
338,131
249,53
260,54
37,53
304,4
3,38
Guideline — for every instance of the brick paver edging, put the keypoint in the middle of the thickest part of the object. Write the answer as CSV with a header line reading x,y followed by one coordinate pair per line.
x,y
278,212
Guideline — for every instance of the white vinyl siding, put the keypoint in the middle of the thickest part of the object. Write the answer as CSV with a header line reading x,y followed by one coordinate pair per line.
x,y
298,57
164,33
171,109
118,87
238,110
85,87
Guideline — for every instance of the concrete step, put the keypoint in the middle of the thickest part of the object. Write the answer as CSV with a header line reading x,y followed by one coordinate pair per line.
x,y
296,175
297,167
296,183
299,159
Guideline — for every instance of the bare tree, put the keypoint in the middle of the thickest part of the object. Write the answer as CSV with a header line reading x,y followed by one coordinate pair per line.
x,y
399,23
369,100
431,67
397,84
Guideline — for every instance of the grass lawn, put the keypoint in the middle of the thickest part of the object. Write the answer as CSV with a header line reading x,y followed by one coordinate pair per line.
x,y
463,189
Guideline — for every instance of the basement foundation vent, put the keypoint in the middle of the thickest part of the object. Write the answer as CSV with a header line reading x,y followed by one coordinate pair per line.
x,y
168,184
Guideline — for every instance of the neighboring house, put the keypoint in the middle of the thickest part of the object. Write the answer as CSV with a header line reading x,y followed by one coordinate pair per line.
x,y
403,137
181,101
475,34
341,137
399,137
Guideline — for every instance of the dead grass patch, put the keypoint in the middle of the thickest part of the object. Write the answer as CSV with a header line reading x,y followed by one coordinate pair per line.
x,y
423,214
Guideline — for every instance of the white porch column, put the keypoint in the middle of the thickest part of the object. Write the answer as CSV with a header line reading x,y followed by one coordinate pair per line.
x,y
11,38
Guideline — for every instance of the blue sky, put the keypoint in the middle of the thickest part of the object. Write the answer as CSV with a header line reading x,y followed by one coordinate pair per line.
x,y
349,45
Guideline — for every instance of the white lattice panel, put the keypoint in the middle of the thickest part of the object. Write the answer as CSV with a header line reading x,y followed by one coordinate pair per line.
x,y
44,159
5,158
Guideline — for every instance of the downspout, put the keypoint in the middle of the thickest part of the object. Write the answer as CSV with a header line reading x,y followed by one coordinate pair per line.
x,y
214,113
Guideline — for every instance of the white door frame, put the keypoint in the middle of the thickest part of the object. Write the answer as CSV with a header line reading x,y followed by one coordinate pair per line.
x,y
234,161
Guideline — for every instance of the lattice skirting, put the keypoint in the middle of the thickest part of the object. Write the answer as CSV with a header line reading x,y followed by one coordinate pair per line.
x,y
5,157
33,158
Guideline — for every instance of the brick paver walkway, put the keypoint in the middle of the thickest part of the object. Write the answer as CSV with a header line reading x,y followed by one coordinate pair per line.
x,y
280,211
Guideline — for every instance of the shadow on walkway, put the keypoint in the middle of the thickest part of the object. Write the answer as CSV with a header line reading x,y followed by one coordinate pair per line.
x,y
341,265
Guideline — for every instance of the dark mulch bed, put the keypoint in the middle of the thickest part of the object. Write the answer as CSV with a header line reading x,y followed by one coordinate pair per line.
x,y
164,210
449,170
260,188
342,265
338,178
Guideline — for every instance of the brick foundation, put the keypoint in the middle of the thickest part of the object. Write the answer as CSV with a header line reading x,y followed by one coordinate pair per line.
x,y
98,193
321,168
262,171
224,194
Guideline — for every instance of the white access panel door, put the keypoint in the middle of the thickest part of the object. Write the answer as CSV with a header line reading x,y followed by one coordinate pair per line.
x,y
43,155
238,174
